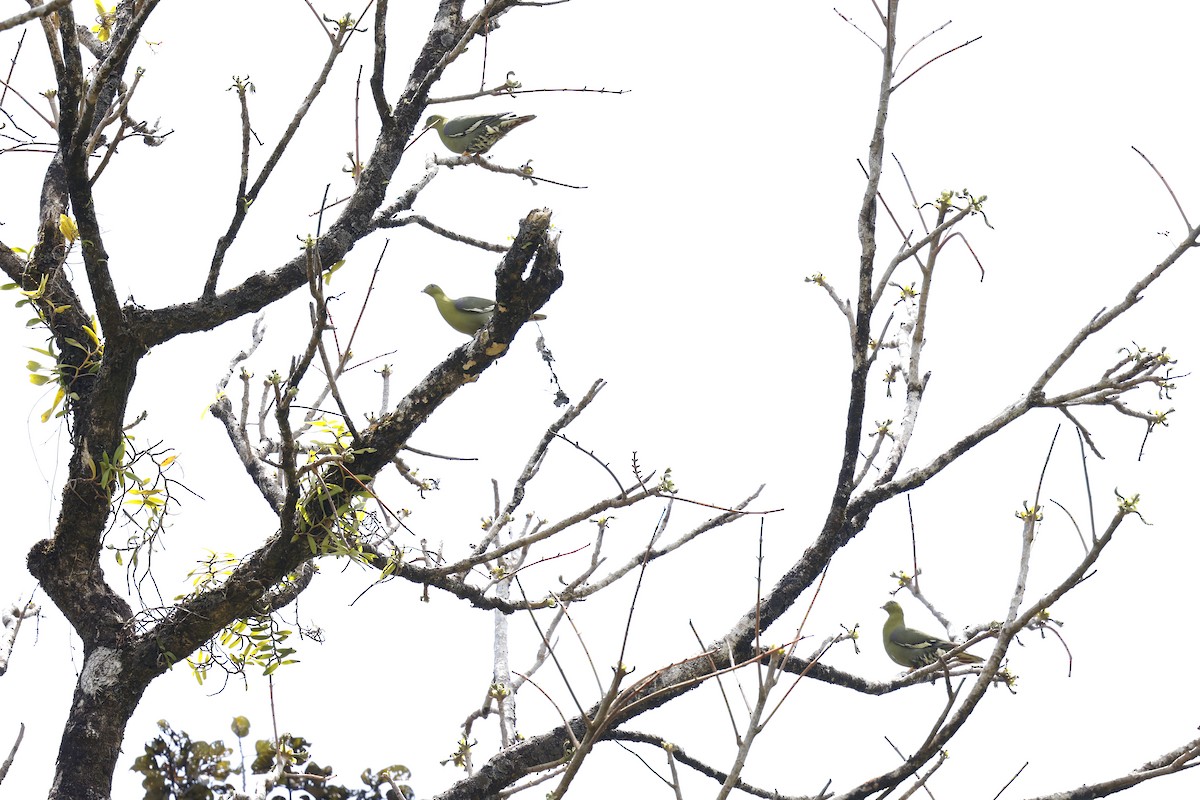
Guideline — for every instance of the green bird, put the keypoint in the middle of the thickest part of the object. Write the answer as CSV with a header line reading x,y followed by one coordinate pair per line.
x,y
465,314
912,648
475,134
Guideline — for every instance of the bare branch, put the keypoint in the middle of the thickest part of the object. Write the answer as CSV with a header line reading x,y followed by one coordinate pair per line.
x,y
246,196
1105,317
33,13
935,58
12,754
11,621
440,231
1184,757
1187,225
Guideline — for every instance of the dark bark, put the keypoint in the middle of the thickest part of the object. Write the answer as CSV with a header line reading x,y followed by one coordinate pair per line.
x,y
106,695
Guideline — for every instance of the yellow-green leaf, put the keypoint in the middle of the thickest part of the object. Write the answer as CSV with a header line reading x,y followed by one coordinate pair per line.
x,y
103,26
58,398
66,225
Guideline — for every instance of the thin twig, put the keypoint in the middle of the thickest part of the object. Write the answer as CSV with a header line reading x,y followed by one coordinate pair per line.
x,y
915,44
935,58
1010,781
1171,191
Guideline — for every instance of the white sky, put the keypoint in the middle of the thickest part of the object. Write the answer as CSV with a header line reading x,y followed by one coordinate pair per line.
x,y
716,185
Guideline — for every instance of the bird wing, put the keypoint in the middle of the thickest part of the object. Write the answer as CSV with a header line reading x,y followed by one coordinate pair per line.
x,y
475,305
920,645
465,127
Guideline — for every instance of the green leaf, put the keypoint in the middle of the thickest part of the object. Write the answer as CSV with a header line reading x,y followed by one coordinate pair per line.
x,y
240,727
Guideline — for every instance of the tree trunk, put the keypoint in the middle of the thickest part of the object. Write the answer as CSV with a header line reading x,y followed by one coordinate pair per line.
x,y
105,696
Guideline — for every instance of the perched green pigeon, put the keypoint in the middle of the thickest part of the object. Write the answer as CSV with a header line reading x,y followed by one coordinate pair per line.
x,y
465,314
912,648
475,134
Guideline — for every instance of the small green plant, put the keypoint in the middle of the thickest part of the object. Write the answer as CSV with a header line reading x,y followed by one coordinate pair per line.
x,y
63,370
258,641
175,767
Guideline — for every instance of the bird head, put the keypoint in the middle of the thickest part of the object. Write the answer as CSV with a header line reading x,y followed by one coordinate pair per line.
x,y
432,289
892,607
435,120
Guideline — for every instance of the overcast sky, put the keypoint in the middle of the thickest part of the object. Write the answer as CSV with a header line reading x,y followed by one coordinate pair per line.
x,y
723,177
